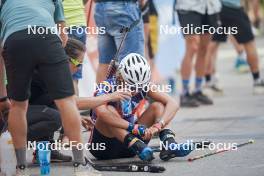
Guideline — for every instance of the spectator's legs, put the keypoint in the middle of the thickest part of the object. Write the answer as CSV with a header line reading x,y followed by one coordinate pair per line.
x,y
71,123
200,65
252,58
192,45
17,125
211,55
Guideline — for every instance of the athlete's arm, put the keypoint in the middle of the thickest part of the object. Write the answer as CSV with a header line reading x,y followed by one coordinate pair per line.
x,y
84,103
110,116
171,106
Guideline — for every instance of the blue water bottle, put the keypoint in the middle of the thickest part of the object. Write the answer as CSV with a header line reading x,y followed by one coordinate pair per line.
x,y
44,158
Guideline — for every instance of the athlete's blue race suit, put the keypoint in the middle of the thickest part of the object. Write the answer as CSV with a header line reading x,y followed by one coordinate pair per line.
x,y
127,108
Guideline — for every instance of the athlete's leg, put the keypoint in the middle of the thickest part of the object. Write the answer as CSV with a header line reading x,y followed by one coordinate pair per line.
x,y
152,114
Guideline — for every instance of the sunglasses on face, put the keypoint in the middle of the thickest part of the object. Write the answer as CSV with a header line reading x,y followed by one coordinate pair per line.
x,y
75,62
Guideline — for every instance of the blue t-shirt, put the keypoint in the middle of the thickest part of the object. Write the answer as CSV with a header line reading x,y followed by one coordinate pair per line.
x,y
126,109
17,15
232,3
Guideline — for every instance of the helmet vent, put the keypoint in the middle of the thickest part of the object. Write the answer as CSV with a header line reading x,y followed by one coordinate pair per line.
x,y
137,75
133,60
131,74
144,75
126,70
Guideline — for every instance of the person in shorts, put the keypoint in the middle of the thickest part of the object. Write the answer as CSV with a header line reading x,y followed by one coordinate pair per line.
x,y
113,15
234,16
195,15
25,51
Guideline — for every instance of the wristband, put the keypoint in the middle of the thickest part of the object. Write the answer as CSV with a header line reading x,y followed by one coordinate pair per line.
x,y
158,126
130,127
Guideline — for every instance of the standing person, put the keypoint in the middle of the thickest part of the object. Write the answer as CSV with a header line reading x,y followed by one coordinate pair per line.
x,y
76,23
233,15
113,15
25,52
197,13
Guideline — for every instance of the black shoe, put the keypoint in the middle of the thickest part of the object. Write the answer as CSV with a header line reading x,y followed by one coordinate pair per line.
x,y
172,149
202,99
56,156
188,101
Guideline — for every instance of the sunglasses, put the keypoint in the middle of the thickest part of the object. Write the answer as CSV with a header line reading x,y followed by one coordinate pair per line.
x,y
75,62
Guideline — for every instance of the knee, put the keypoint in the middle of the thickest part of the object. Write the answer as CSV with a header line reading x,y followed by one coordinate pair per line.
x,y
157,108
192,45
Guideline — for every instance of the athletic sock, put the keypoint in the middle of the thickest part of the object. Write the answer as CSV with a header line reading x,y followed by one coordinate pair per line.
x,y
78,156
208,78
185,86
198,84
256,76
21,156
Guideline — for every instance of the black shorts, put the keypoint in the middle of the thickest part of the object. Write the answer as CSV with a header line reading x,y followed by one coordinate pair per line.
x,y
232,17
195,19
114,149
23,53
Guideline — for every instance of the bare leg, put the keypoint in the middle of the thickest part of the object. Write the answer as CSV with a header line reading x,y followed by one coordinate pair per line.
x,y
101,72
210,57
71,119
239,48
192,44
201,59
252,56
152,114
17,123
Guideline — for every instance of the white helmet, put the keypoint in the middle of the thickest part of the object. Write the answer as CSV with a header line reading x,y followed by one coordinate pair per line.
x,y
135,70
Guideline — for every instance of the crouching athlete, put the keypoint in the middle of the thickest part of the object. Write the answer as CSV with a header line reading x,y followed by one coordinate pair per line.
x,y
116,125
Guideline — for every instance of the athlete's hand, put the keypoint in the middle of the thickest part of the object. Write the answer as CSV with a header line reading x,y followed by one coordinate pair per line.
x,y
120,95
87,123
137,129
149,133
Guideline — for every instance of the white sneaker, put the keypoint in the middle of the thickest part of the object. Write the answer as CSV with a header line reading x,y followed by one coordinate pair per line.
x,y
258,87
85,169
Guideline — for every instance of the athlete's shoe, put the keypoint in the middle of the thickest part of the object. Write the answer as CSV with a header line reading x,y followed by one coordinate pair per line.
x,y
144,152
170,148
187,100
241,65
202,98
85,169
21,171
258,87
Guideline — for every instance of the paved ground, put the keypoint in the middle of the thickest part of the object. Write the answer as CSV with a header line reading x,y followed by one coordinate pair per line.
x,y
235,117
